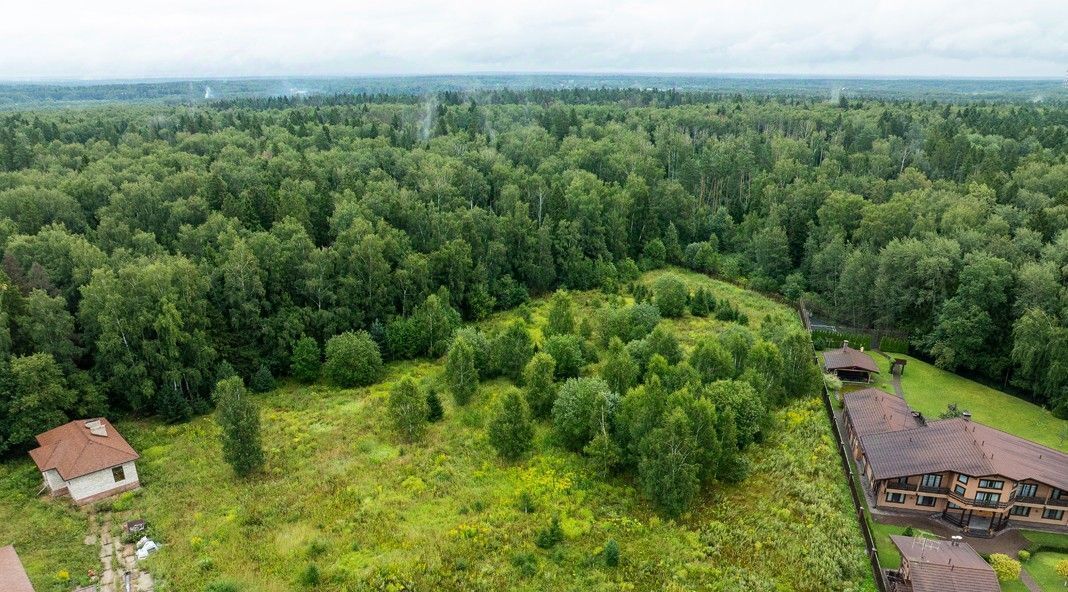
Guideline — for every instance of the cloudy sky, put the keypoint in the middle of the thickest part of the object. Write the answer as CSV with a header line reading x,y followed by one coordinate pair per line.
x,y
82,39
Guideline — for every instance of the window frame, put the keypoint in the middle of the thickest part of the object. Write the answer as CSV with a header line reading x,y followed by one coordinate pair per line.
x,y
962,478
1024,511
1001,484
1046,514
118,473
921,498
890,495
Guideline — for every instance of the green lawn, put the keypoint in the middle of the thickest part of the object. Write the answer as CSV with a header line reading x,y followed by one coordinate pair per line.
x,y
929,389
341,493
1040,566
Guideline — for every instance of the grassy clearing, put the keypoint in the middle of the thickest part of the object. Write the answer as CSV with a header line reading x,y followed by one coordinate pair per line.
x,y
929,389
341,492
1040,566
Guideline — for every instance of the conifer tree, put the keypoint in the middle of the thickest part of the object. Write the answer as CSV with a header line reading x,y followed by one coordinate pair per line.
x,y
239,417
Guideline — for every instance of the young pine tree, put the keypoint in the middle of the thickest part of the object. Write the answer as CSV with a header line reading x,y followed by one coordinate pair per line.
x,y
541,390
262,381
306,361
239,417
408,409
461,371
510,429
435,410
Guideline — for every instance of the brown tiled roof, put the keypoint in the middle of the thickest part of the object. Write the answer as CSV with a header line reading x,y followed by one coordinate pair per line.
x,y
13,577
873,411
942,566
896,445
847,358
73,450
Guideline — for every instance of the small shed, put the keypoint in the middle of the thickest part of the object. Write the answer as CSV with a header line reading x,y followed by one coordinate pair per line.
x,y
849,365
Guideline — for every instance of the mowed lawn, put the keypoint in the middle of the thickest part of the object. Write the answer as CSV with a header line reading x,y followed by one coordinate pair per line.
x,y
929,390
343,501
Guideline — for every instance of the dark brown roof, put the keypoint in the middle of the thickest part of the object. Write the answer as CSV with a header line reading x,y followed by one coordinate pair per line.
x,y
896,445
13,577
847,358
75,449
943,566
873,411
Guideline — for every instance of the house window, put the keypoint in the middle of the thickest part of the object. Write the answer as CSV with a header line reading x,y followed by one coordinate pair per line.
x,y
986,496
932,481
1027,490
1020,511
925,500
1056,493
959,490
897,498
953,506
963,479
118,474
1051,514
991,484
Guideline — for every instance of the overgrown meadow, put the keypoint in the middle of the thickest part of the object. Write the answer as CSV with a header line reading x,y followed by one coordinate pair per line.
x,y
345,505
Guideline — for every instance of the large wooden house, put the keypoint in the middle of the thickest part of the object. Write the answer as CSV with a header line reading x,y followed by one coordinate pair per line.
x,y
972,475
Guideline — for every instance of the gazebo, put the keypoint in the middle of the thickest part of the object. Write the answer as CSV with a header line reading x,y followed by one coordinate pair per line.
x,y
849,365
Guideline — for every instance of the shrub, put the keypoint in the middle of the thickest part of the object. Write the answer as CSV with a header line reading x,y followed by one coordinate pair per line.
x,y
893,345
408,409
461,372
526,563
352,359
611,553
306,361
1006,568
561,316
1023,555
511,350
670,295
550,536
525,503
262,381
510,430
309,577
221,586
566,351
541,390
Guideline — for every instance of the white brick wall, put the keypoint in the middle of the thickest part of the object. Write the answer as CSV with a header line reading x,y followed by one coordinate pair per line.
x,y
99,482
54,481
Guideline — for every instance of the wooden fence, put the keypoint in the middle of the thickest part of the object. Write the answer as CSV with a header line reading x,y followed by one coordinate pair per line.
x,y
847,468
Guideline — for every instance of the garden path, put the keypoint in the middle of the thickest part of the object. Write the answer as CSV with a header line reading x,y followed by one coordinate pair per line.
x,y
1030,582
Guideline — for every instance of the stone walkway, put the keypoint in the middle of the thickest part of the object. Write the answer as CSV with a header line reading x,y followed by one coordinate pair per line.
x,y
116,558
896,381
1030,582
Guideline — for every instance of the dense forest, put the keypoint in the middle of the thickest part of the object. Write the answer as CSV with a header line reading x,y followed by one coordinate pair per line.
x,y
149,251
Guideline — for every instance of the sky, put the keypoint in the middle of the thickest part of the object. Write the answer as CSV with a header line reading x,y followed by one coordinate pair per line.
x,y
109,39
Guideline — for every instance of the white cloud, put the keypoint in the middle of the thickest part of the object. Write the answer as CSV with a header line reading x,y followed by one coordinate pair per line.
x,y
173,38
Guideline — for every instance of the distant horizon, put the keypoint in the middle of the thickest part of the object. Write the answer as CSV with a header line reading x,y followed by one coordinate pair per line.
x,y
585,73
